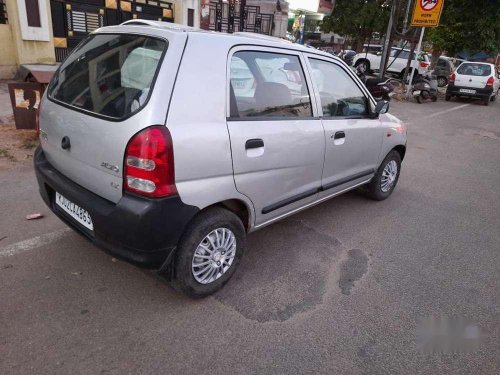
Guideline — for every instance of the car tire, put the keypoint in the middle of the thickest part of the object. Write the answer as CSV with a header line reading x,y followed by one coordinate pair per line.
x,y
486,101
377,188
203,234
442,81
434,98
447,98
494,97
419,99
364,66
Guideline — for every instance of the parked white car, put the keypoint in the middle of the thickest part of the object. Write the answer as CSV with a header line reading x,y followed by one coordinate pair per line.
x,y
475,80
398,59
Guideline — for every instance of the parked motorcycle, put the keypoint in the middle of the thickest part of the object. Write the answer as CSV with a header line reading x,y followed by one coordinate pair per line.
x,y
425,87
380,88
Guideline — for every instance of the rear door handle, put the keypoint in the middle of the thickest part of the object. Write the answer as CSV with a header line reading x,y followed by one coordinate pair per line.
x,y
339,135
254,143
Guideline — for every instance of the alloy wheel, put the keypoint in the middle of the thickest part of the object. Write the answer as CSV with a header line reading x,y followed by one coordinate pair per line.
x,y
214,255
389,176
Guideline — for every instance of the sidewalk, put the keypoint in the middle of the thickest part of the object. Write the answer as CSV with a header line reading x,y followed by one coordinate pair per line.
x,y
6,115
16,146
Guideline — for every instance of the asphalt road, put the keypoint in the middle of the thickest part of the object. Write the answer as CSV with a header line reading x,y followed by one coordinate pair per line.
x,y
341,288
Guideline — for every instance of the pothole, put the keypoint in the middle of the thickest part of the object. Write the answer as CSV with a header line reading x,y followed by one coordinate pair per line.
x,y
284,271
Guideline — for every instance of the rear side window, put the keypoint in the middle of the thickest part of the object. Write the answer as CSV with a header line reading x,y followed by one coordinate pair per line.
x,y
471,69
442,63
265,84
110,75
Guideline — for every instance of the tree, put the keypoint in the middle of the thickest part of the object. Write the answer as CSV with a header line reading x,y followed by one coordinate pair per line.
x,y
467,26
358,19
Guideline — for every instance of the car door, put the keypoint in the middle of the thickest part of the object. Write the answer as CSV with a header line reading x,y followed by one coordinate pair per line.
x,y
277,140
353,139
397,60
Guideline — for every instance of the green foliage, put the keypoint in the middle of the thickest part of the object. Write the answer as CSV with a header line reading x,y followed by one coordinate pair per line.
x,y
358,18
467,26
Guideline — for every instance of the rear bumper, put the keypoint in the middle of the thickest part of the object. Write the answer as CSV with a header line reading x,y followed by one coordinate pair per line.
x,y
142,231
481,93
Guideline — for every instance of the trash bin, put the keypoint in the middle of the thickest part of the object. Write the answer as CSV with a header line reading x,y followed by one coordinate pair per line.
x,y
25,95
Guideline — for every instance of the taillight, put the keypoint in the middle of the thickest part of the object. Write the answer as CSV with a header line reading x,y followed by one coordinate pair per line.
x,y
452,78
424,64
490,81
149,163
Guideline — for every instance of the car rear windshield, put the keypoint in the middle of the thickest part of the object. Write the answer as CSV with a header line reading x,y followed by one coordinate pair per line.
x,y
471,69
108,74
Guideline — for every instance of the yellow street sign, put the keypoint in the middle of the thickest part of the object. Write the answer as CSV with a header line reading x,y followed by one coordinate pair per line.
x,y
427,13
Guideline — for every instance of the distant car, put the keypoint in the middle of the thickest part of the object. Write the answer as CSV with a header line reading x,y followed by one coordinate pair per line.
x,y
457,61
348,56
474,80
372,48
398,58
443,70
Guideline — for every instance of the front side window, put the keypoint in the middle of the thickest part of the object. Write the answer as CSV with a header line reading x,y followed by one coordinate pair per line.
x,y
265,84
339,94
109,75
404,54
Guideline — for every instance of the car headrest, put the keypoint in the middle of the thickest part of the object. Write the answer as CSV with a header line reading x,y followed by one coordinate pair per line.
x,y
139,68
272,94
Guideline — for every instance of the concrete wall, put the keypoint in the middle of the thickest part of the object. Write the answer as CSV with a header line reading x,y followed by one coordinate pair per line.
x,y
280,18
181,11
16,50
8,57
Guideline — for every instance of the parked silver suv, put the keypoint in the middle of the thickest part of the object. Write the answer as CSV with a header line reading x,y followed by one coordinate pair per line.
x,y
165,146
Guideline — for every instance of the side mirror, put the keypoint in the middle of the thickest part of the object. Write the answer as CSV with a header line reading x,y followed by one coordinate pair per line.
x,y
381,108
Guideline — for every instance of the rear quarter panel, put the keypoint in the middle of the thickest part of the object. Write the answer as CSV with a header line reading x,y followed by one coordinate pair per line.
x,y
197,123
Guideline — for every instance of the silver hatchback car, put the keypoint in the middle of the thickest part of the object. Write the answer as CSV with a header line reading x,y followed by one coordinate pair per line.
x,y
165,146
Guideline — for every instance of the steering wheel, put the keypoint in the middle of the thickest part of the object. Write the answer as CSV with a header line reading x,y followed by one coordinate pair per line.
x,y
343,108
328,102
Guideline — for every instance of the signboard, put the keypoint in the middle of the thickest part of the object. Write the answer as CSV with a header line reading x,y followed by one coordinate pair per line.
x,y
427,13
326,7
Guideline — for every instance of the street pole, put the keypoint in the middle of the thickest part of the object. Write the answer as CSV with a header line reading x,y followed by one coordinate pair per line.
x,y
419,49
243,15
407,16
387,40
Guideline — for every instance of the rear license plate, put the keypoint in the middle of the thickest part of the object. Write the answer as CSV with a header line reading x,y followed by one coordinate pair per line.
x,y
466,91
75,211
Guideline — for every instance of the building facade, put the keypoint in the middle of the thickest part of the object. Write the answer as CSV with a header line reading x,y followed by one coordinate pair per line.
x,y
45,31
268,17
305,20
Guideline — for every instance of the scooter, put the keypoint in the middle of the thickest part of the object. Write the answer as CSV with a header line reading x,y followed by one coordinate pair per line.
x,y
380,88
425,87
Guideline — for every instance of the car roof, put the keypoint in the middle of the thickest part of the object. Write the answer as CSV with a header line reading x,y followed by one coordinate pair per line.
x,y
478,63
167,28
